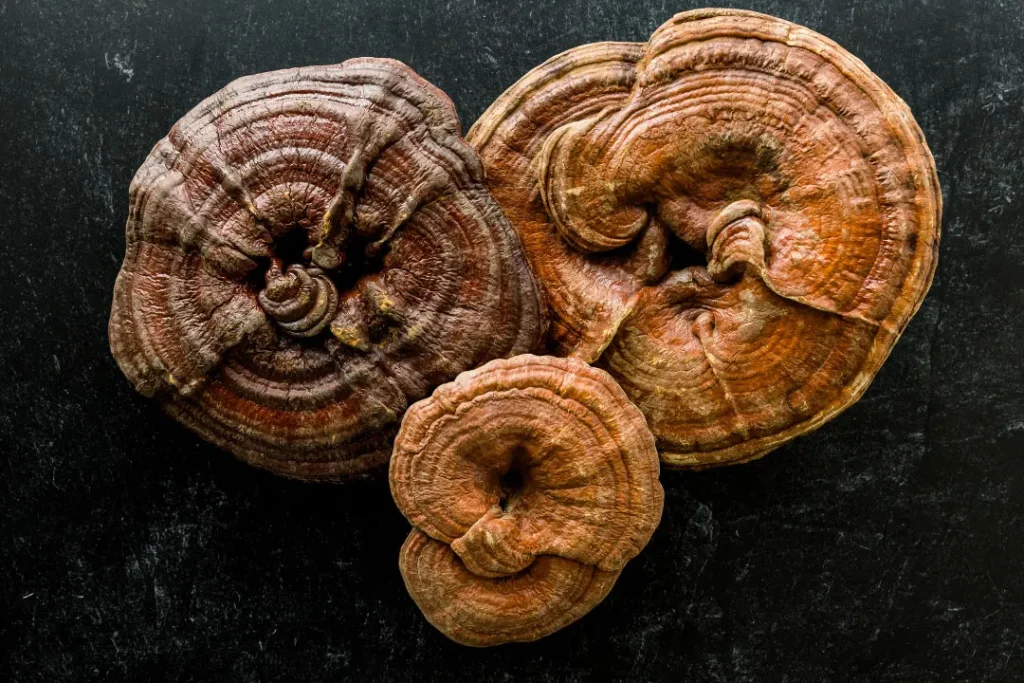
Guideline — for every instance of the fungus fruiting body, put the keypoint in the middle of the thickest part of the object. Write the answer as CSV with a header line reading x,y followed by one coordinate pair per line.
x,y
736,220
530,483
309,251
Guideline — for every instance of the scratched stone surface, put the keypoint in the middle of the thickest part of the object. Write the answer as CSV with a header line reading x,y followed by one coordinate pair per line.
x,y
887,546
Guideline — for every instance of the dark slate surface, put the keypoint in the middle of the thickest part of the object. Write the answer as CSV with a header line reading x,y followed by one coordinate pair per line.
x,y
885,547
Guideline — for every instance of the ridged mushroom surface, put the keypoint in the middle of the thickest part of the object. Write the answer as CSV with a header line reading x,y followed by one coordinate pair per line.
x,y
736,220
308,252
530,483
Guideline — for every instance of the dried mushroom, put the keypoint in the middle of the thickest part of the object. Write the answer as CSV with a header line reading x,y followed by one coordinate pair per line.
x,y
308,252
736,219
530,483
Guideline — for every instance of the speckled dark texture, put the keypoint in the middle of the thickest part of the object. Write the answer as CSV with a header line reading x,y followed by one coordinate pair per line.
x,y
888,546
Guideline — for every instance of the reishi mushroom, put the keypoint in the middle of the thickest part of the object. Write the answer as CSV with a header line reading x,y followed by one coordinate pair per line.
x,y
736,220
309,251
530,482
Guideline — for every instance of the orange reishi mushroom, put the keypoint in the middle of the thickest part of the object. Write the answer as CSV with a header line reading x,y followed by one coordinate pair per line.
x,y
530,483
309,251
736,220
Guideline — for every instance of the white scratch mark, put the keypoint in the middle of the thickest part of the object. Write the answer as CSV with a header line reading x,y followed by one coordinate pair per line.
x,y
121,62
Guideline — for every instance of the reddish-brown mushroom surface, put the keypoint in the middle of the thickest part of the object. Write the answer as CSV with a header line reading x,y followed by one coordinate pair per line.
x,y
309,251
736,219
530,483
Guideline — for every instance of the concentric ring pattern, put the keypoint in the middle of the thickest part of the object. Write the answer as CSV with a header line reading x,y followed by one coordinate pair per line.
x,y
530,483
736,219
309,251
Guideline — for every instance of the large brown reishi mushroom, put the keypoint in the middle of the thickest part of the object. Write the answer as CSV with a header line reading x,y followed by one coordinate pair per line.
x,y
530,483
308,252
736,219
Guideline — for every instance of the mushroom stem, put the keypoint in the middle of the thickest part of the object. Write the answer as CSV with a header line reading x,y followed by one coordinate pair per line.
x,y
349,325
491,546
336,226
737,238
339,219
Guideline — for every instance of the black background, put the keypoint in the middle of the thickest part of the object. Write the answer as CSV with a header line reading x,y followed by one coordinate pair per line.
x,y
887,546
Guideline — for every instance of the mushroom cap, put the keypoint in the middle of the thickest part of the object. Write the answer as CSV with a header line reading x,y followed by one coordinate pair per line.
x,y
530,483
736,219
309,251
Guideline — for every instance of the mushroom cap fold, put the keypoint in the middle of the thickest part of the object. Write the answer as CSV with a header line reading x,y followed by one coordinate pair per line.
x,y
530,483
736,219
308,252
472,610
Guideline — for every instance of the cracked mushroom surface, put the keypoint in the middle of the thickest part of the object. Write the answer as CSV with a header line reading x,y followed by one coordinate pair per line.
x,y
736,220
308,252
530,482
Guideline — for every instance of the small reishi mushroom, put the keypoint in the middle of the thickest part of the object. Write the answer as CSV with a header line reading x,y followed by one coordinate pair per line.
x,y
736,219
530,483
309,251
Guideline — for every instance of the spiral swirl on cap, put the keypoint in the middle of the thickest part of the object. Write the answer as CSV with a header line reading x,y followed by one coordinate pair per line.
x,y
300,300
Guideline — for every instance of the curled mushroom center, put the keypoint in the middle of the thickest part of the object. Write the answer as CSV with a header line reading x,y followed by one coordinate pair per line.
x,y
301,300
737,237
306,300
